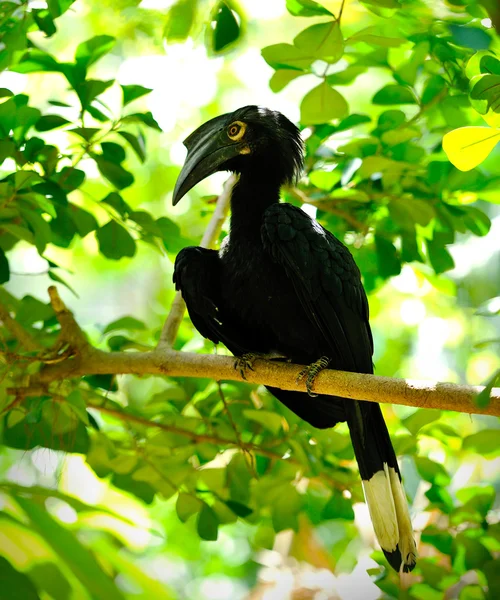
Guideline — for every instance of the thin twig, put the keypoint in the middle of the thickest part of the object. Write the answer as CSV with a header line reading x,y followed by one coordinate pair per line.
x,y
209,239
246,453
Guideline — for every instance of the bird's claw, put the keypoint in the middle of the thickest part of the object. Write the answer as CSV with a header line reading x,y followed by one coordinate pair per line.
x,y
311,372
244,363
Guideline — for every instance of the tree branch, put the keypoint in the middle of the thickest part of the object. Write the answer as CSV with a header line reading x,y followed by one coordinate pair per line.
x,y
209,239
357,386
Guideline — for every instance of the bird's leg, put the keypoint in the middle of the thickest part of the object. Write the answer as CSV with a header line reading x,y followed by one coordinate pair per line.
x,y
311,372
245,361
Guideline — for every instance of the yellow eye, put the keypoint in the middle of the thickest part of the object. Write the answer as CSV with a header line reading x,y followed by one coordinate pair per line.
x,y
236,130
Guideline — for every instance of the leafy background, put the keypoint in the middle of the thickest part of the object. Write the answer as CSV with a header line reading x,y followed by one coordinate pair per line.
x,y
119,487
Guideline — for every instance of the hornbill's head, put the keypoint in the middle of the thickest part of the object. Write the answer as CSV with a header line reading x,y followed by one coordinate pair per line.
x,y
251,139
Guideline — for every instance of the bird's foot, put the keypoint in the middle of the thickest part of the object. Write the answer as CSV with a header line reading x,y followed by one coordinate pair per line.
x,y
245,362
311,372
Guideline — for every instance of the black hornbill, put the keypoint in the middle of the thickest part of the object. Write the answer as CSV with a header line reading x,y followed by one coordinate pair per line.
x,y
283,284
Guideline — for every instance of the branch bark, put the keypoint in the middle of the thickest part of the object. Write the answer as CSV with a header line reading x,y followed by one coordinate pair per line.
x,y
357,386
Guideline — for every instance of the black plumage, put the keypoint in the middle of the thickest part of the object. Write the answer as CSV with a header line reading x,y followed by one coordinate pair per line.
x,y
283,284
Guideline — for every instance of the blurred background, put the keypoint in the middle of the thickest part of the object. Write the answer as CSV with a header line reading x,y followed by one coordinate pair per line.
x,y
135,497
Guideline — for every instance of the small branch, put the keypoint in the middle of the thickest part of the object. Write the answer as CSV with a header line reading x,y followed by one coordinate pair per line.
x,y
341,11
246,453
209,239
70,330
23,337
357,386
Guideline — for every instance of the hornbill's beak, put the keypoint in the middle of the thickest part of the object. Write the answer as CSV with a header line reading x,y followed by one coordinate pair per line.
x,y
209,148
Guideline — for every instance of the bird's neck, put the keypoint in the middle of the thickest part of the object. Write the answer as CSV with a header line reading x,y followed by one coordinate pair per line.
x,y
251,196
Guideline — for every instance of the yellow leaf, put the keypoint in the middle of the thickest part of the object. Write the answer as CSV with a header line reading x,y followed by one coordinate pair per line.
x,y
467,147
492,118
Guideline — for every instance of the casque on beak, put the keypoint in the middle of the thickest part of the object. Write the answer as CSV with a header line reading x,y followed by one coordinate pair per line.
x,y
209,148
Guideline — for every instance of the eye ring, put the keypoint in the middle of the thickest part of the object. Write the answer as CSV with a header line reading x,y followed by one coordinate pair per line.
x,y
236,131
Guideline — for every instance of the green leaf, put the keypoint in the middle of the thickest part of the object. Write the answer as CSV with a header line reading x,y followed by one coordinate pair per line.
x,y
238,479
433,86
113,172
69,178
58,7
286,56
180,21
137,144
270,420
492,571
96,113
346,76
282,77
322,104
44,21
15,585
439,257
77,403
487,87
431,471
127,323
323,41
420,418
372,36
40,228
476,221
224,29
207,524
286,506
87,133
188,505
325,180
118,203
113,152
90,89
306,8
55,277
338,507
394,94
67,547
146,118
440,539
485,443
93,49
388,260
35,61
48,577
132,92
115,241
32,311
239,509
4,268
478,497
48,122
84,221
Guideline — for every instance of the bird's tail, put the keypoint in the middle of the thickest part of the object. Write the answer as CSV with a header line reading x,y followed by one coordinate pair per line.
x,y
381,479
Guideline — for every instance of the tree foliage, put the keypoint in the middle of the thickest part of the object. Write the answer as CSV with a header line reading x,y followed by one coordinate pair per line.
x,y
389,90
